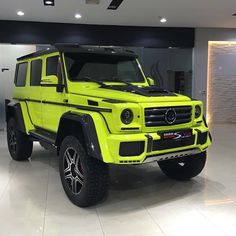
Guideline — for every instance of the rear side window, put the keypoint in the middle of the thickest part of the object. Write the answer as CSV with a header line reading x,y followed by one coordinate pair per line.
x,y
36,72
52,65
21,74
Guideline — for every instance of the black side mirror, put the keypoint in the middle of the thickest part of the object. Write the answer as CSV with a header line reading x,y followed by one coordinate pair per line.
x,y
60,88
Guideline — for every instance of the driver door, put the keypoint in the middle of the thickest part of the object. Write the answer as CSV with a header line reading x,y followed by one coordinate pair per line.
x,y
53,102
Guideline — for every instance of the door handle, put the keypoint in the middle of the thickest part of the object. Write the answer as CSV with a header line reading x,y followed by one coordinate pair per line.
x,y
65,100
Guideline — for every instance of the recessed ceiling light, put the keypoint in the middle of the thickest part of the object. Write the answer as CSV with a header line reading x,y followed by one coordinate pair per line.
x,y
49,2
77,16
20,13
163,20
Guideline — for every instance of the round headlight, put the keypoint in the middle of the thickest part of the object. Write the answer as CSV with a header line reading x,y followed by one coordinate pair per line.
x,y
127,116
198,111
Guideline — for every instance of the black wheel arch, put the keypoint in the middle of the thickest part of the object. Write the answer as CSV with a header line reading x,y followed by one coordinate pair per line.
x,y
13,109
83,127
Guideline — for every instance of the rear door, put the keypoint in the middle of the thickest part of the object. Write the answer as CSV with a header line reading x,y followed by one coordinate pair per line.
x,y
34,93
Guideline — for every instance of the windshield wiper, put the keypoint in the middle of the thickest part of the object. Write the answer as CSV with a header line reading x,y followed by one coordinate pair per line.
x,y
94,80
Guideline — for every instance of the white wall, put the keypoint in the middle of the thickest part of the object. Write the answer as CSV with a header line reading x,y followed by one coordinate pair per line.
x,y
200,58
8,55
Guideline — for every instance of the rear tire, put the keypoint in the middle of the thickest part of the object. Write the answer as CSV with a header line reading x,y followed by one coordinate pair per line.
x,y
184,168
19,144
84,179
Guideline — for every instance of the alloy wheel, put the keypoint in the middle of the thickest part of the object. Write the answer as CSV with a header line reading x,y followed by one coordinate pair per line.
x,y
12,139
73,171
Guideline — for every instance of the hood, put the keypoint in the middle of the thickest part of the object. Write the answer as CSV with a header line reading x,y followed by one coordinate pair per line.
x,y
128,93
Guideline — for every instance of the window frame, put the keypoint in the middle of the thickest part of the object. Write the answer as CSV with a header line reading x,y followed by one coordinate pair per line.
x,y
16,73
39,59
58,63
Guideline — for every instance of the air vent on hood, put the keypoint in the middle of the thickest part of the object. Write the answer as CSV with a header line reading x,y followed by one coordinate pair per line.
x,y
114,4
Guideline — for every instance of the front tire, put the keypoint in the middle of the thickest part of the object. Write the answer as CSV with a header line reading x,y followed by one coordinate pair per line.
x,y
19,144
184,168
84,179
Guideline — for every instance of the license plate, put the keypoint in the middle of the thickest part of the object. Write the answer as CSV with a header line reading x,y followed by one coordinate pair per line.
x,y
176,135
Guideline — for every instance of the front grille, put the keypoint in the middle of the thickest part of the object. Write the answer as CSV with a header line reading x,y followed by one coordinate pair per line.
x,y
156,116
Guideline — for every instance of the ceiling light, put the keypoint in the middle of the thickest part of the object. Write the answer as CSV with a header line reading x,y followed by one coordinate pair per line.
x,y
49,2
77,16
163,20
20,13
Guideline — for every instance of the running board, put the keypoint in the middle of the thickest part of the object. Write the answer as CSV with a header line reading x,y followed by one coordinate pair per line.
x,y
173,155
44,136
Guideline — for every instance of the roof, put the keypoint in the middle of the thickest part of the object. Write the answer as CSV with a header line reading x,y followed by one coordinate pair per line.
x,y
82,49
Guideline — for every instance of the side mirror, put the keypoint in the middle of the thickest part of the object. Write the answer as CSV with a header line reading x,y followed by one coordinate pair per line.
x,y
49,80
150,81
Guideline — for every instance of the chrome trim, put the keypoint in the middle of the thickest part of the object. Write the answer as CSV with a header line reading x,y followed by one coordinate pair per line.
x,y
172,155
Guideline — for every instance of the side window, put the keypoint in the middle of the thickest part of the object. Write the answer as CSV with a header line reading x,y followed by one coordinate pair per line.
x,y
21,74
36,72
52,65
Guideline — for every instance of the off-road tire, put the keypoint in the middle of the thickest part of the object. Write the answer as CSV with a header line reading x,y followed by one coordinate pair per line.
x,y
85,179
19,144
184,168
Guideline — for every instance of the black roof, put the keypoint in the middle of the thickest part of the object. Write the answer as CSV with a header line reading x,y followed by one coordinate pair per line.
x,y
81,49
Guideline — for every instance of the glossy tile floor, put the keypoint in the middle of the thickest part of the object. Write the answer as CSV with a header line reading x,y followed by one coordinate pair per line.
x,y
142,201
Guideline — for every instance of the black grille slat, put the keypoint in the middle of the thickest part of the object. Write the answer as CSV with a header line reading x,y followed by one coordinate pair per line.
x,y
159,145
155,112
156,116
156,123
183,115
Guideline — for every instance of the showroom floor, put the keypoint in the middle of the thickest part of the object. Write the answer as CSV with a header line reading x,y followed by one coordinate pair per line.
x,y
142,201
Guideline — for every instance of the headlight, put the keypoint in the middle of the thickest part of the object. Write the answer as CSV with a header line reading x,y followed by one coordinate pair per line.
x,y
127,116
198,111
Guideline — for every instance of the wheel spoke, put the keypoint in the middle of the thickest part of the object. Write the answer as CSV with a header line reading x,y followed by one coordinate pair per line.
x,y
74,185
69,176
75,159
69,159
68,169
78,172
79,180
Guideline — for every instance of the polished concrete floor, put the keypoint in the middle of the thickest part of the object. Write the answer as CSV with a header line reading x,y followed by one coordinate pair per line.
x,y
142,201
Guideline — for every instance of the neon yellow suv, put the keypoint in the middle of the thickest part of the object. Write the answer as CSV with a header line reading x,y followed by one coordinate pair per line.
x,y
95,106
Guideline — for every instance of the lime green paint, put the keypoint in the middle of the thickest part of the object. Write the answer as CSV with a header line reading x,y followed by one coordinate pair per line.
x,y
108,125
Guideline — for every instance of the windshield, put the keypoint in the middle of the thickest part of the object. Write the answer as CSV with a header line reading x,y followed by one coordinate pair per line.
x,y
104,68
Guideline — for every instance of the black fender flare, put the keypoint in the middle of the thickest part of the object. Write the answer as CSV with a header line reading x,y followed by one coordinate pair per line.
x,y
86,122
13,109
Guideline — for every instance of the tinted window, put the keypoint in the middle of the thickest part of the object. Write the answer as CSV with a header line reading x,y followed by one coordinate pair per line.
x,y
36,72
102,67
21,73
52,65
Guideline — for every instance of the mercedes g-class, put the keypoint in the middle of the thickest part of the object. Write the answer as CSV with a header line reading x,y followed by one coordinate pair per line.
x,y
95,106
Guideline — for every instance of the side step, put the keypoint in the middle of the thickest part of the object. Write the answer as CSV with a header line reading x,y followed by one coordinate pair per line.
x,y
44,136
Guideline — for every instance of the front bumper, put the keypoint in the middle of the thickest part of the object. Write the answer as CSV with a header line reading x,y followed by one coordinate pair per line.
x,y
146,147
